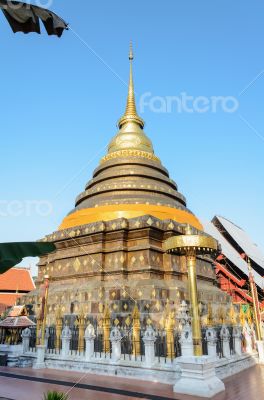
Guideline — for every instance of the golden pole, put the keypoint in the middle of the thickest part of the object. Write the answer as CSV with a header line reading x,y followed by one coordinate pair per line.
x,y
59,324
38,329
136,331
190,245
169,326
81,324
106,329
46,279
210,317
196,325
254,294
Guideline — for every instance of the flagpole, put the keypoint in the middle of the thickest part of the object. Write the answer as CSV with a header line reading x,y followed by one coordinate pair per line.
x,y
254,295
46,280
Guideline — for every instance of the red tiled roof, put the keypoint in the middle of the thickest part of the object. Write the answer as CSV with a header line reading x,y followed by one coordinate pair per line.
x,y
16,322
18,311
17,279
8,300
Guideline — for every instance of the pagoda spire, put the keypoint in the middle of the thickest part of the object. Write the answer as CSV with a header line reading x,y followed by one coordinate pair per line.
x,y
130,136
131,114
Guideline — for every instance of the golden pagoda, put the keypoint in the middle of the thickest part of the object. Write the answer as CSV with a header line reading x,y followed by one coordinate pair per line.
x,y
130,181
110,248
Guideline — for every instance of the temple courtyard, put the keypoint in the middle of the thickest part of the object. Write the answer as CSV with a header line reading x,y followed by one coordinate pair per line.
x,y
18,384
134,298
136,293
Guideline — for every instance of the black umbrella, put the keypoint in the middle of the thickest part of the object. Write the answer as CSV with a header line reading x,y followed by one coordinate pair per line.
x,y
23,17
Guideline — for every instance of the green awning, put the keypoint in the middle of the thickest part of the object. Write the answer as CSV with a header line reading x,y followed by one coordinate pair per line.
x,y
12,254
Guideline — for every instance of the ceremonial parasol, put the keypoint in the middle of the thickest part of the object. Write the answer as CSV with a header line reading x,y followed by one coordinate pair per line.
x,y
24,17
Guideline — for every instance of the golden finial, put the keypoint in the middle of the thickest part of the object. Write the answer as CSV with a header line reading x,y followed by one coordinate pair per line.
x,y
209,319
130,137
58,312
131,55
249,316
233,314
135,312
242,315
188,229
131,111
106,313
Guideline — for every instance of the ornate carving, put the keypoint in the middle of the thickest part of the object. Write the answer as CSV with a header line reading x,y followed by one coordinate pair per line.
x,y
130,153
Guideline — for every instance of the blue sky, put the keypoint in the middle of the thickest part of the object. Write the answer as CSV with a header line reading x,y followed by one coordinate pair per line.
x,y
60,100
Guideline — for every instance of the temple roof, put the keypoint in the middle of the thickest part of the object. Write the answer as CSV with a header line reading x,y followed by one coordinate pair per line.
x,y
18,311
16,322
7,300
243,241
231,252
13,284
17,279
130,180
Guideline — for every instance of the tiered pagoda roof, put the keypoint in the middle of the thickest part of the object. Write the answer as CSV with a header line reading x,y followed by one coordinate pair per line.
x,y
130,180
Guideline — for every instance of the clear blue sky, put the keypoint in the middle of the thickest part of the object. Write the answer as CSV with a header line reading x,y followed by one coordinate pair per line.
x,y
60,103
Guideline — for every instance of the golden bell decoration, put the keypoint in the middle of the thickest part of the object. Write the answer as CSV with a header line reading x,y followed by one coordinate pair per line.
x,y
191,244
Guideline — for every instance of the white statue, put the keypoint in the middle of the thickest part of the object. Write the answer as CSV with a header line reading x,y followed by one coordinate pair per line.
x,y
26,333
89,332
150,334
115,334
186,341
66,332
183,314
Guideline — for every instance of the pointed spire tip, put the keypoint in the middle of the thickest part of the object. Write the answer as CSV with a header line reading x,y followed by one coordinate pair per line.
x,y
131,111
131,54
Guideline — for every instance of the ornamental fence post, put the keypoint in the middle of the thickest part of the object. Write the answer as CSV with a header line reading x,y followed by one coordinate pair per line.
x,y
237,335
225,337
65,339
115,338
211,338
89,342
149,340
26,334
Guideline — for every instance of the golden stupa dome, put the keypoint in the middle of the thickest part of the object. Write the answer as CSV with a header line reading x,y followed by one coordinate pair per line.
x,y
130,136
130,180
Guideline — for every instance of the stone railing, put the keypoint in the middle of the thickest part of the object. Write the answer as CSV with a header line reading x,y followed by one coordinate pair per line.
x,y
149,345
